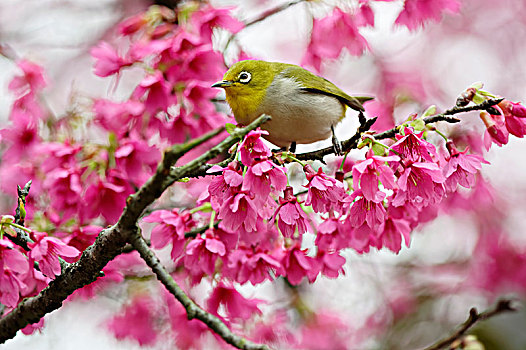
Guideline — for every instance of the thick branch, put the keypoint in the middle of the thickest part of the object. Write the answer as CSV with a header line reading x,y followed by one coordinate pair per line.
x,y
192,309
110,241
474,317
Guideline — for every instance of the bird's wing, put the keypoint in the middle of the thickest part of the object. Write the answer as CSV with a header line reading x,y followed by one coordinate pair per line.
x,y
317,84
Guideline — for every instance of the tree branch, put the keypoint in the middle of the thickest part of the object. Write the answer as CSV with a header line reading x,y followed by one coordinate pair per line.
x,y
192,309
347,145
445,116
22,238
502,306
366,124
111,240
264,16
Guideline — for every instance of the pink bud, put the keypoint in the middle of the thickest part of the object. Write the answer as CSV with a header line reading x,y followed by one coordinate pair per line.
x,y
518,110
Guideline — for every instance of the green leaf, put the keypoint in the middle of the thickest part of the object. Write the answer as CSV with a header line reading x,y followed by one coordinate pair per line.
x,y
477,85
230,128
478,98
430,111
418,124
378,149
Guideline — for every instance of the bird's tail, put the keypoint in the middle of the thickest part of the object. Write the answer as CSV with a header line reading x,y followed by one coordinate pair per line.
x,y
356,102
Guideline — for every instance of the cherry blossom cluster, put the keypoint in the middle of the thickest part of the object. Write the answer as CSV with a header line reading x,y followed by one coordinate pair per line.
x,y
246,222
80,185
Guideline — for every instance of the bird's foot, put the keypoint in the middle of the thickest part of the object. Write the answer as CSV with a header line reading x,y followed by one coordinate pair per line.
x,y
336,144
292,147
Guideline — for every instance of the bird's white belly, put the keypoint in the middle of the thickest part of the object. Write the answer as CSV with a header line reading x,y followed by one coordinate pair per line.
x,y
298,116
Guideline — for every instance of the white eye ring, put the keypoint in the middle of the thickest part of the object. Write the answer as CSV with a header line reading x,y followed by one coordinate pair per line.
x,y
244,77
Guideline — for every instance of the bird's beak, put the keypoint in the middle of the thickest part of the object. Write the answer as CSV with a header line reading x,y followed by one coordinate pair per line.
x,y
222,84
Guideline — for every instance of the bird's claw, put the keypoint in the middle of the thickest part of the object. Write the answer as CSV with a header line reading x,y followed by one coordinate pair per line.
x,y
336,144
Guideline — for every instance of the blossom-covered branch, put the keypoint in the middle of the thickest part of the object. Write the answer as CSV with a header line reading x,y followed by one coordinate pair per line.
x,y
111,240
192,309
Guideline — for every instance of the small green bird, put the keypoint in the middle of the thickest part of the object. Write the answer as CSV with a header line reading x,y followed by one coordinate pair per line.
x,y
304,107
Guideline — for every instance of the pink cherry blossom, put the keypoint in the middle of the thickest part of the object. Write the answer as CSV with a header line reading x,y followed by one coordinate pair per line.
x,y
290,215
417,12
461,168
499,264
225,185
32,79
65,190
202,253
199,95
514,114
518,110
21,137
297,264
364,15
365,211
239,211
171,228
252,265
496,131
136,321
342,28
107,197
412,146
209,17
253,147
324,192
236,306
118,117
58,154
137,159
362,238
32,327
204,64
332,234
324,330
14,265
82,237
108,61
393,231
330,264
188,333
132,24
46,252
420,183
263,177
369,173
157,91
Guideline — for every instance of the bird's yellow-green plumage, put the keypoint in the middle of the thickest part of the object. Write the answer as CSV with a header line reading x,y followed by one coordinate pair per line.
x,y
303,106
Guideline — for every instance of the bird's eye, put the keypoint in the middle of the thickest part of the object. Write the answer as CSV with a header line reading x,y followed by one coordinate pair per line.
x,y
244,77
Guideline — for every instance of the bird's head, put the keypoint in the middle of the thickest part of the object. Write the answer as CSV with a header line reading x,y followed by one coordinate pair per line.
x,y
248,77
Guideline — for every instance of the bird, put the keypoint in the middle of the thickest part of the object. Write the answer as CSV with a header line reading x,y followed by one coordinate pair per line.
x,y
303,106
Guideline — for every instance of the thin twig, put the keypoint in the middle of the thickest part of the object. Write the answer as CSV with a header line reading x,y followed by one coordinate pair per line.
x,y
444,116
21,239
502,306
264,16
192,309
366,124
